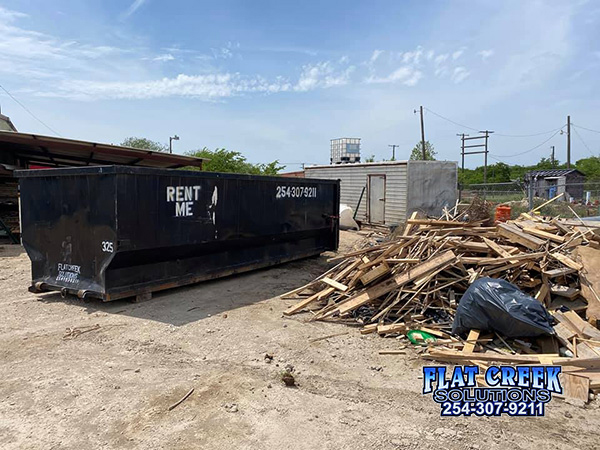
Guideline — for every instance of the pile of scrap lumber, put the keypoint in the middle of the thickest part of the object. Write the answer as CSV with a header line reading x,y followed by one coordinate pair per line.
x,y
414,281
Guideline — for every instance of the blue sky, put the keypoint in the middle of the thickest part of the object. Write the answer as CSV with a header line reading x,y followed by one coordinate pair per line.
x,y
279,79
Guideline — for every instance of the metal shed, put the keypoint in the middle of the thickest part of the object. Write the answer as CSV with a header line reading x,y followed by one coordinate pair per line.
x,y
549,183
388,192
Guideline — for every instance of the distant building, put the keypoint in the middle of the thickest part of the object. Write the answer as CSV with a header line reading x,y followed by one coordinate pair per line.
x,y
296,174
345,150
6,124
388,192
549,183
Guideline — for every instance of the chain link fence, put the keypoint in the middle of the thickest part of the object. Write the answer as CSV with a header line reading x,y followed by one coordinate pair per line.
x,y
581,199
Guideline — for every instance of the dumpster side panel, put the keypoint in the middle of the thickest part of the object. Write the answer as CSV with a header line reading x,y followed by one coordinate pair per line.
x,y
186,228
68,230
115,232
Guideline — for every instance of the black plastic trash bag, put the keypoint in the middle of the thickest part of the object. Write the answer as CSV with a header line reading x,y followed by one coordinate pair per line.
x,y
492,304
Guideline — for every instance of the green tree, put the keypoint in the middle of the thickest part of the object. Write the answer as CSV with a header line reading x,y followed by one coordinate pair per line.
x,y
590,167
370,158
417,152
222,160
145,144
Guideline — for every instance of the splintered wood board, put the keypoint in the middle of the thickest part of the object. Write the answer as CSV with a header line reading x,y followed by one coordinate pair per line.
x,y
576,387
513,234
471,341
335,284
445,259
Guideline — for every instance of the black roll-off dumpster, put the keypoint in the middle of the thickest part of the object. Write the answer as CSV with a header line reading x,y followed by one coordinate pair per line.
x,y
115,231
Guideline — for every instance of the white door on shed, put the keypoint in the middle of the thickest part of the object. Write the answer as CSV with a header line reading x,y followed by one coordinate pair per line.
x,y
376,198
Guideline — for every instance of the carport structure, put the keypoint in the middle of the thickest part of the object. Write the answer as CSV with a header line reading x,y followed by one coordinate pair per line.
x,y
26,151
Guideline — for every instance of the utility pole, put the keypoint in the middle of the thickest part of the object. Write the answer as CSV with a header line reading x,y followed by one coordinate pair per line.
x,y
393,150
552,156
485,164
462,167
486,135
423,135
568,142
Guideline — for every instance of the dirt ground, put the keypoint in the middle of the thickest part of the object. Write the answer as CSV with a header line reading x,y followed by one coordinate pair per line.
x,y
112,387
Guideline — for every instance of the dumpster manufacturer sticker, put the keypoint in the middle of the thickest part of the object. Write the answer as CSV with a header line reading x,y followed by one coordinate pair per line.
x,y
68,273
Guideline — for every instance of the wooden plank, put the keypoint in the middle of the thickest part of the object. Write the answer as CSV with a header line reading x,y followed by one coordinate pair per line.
x,y
445,259
392,328
471,341
375,273
513,234
335,284
544,235
566,261
542,294
560,272
546,203
576,387
489,356
586,363
564,291
307,301
577,324
443,223
564,335
409,226
590,282
584,350
511,258
368,329
496,248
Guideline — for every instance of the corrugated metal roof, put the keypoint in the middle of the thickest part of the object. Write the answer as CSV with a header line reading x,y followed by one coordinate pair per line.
x,y
61,152
551,173
6,124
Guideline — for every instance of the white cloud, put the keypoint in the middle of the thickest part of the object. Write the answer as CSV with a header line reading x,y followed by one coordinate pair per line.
x,y
407,75
322,75
440,59
485,54
132,8
205,87
344,59
457,54
376,54
163,58
460,74
412,57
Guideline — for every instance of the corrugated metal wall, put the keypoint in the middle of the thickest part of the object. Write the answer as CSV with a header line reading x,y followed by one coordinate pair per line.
x,y
354,177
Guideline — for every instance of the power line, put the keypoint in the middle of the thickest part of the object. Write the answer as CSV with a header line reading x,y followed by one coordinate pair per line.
x,y
531,149
30,113
584,128
497,134
583,142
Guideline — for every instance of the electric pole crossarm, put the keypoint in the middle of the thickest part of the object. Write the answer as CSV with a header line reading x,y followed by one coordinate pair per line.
x,y
474,137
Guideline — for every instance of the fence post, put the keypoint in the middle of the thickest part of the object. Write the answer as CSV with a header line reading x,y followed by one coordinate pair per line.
x,y
530,195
